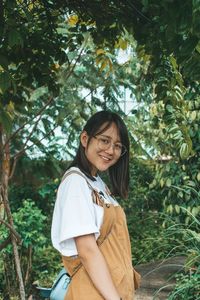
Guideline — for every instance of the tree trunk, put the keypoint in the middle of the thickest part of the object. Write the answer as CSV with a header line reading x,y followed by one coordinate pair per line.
x,y
29,264
4,176
6,275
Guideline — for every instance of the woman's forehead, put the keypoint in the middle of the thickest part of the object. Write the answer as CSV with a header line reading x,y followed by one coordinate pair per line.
x,y
110,130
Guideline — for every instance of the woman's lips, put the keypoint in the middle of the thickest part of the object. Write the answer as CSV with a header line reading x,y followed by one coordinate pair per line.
x,y
105,158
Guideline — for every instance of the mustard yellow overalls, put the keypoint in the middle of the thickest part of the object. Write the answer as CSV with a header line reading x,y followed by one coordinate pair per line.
x,y
114,243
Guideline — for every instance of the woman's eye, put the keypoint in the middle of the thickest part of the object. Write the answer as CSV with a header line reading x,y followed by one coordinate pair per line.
x,y
118,146
105,141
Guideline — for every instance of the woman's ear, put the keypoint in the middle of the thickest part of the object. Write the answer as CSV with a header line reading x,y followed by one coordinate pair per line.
x,y
84,139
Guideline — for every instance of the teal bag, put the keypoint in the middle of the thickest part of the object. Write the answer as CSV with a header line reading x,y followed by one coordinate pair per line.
x,y
60,286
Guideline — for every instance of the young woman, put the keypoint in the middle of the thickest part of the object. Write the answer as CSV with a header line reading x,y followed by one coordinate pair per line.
x,y
89,226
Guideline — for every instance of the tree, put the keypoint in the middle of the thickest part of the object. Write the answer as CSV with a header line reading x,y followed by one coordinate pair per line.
x,y
31,49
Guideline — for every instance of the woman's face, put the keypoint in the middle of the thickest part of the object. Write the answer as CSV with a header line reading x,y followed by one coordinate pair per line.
x,y
101,159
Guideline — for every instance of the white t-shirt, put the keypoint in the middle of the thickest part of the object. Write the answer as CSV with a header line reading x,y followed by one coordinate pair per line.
x,y
75,213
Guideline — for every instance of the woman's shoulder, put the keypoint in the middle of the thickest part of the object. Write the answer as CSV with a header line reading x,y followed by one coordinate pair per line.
x,y
73,184
73,176
73,172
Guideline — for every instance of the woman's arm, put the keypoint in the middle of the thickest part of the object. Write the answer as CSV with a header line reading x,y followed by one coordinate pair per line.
x,y
96,267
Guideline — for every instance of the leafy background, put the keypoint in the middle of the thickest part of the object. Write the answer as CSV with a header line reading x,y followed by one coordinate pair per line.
x,y
59,63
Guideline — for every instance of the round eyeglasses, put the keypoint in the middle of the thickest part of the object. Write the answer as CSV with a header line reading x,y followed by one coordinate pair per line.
x,y
104,143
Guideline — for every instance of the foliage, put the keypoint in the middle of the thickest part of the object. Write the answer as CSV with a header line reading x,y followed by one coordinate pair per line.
x,y
46,263
32,113
36,178
30,222
187,287
31,30
33,218
159,27
179,189
171,132
28,48
188,283
143,209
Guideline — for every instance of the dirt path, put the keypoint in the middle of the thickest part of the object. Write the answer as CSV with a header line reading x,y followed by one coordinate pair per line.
x,y
157,278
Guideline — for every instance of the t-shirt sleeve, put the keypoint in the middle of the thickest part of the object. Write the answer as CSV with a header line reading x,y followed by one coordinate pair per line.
x,y
74,212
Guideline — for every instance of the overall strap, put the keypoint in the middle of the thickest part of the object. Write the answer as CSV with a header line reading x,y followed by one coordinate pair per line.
x,y
96,197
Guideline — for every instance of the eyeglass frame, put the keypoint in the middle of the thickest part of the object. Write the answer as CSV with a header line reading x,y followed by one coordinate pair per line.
x,y
112,144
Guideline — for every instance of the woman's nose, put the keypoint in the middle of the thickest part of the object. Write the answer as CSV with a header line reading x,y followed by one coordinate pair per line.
x,y
110,150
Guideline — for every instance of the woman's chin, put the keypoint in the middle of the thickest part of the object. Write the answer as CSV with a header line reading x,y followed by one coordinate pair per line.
x,y
103,168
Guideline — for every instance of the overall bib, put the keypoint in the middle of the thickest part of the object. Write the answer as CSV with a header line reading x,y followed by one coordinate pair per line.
x,y
114,243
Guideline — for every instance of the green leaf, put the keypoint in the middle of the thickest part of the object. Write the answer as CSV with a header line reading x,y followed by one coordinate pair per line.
x,y
191,183
173,62
180,194
198,176
6,121
162,182
184,151
195,211
169,108
168,182
5,81
178,93
187,220
177,209
193,115
198,47
170,208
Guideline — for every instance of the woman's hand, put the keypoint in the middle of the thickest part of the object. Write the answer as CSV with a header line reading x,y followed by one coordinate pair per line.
x,y
96,266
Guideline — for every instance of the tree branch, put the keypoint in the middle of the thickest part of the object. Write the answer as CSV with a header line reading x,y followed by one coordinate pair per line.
x,y
5,243
29,121
28,137
13,168
74,65
13,231
28,147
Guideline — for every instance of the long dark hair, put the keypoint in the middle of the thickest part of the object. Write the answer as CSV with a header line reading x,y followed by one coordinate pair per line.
x,y
119,172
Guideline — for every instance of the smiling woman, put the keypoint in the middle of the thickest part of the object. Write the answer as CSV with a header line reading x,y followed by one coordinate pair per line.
x,y
103,150
89,226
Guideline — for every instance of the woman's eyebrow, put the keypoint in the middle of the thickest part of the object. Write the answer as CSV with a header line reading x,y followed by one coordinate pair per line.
x,y
106,136
109,137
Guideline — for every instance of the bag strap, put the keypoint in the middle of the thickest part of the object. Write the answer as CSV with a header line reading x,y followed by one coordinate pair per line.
x,y
58,278
96,197
76,172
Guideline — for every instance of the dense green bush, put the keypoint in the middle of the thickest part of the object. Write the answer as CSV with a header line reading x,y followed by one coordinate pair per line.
x,y
30,223
143,210
188,283
187,287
